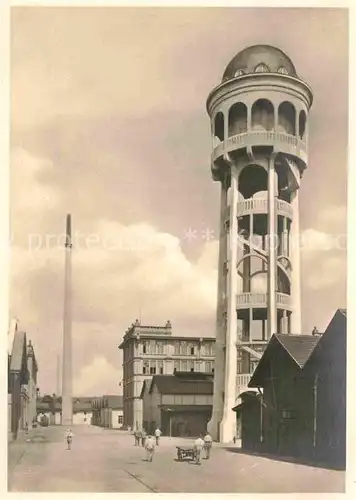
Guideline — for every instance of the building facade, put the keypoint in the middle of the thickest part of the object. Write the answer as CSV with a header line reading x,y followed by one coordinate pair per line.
x,y
179,404
108,411
300,408
153,350
22,384
259,124
51,407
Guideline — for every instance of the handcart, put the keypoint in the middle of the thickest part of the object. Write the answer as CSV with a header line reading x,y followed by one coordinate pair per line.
x,y
184,452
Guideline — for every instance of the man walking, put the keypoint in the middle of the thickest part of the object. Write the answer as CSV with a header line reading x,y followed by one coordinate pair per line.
x,y
158,434
150,448
69,439
208,442
198,446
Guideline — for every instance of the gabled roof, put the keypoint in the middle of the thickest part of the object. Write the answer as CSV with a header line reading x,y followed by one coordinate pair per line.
x,y
335,331
343,311
170,384
299,347
18,351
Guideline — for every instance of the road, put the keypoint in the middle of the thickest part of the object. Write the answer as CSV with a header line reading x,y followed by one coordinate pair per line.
x,y
104,460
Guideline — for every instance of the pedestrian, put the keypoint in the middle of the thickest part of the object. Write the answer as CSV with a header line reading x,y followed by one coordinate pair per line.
x,y
69,438
158,434
208,443
143,437
135,434
198,446
150,448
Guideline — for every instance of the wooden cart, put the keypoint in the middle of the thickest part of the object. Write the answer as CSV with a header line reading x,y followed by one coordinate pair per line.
x,y
184,452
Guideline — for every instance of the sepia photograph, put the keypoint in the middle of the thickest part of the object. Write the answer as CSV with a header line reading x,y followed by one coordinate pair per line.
x,y
178,260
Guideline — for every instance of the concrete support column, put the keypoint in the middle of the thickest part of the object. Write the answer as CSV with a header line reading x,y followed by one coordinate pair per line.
x,y
285,238
219,366
272,254
249,119
228,423
296,320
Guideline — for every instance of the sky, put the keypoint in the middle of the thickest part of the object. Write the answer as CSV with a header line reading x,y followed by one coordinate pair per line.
x,y
108,123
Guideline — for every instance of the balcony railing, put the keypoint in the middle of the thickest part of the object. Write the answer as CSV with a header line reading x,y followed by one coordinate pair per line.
x,y
284,142
260,206
258,300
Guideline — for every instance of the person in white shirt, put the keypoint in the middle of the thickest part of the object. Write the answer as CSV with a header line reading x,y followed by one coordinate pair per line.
x,y
208,442
158,434
150,448
198,447
69,438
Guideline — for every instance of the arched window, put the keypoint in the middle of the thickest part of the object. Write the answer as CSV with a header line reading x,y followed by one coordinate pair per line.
x,y
287,118
239,72
261,68
302,123
283,70
237,119
262,115
219,126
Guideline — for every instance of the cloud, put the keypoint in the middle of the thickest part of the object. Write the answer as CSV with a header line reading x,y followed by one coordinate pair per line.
x,y
97,378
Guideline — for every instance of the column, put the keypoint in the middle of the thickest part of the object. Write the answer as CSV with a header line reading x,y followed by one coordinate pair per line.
x,y
228,423
272,254
219,361
296,320
67,403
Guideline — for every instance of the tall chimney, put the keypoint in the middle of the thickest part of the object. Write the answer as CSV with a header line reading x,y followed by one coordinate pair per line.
x,y
67,403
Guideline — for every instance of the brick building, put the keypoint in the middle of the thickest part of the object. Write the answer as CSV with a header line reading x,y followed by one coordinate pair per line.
x,y
179,404
153,350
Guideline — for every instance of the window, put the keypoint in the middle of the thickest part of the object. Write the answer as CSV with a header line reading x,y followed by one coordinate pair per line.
x,y
261,68
152,370
120,419
176,347
192,369
192,351
144,348
184,366
239,72
160,367
283,70
144,370
287,414
183,348
176,366
208,366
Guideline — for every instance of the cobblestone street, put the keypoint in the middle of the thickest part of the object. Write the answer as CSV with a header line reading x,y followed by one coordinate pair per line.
x,y
107,461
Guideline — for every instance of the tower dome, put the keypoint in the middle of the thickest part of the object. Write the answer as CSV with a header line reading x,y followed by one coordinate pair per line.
x,y
259,59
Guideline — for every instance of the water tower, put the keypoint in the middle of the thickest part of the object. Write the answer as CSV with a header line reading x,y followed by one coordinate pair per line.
x,y
259,125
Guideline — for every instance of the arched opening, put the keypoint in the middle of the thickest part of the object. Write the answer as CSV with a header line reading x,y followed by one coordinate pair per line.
x,y
219,127
237,119
302,123
262,115
287,118
252,179
259,282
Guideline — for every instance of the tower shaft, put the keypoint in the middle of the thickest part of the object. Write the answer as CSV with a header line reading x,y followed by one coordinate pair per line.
x,y
259,123
67,403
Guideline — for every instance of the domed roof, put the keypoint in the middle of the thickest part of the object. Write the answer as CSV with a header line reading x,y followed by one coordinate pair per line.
x,y
259,59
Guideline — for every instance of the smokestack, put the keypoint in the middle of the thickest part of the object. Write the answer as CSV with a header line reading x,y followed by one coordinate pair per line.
x,y
67,403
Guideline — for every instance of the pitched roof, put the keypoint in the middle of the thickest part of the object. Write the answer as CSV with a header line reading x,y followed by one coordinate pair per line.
x,y
114,401
343,311
170,384
18,346
299,347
